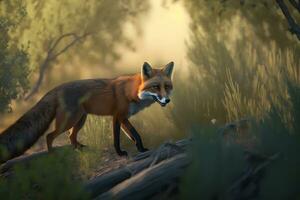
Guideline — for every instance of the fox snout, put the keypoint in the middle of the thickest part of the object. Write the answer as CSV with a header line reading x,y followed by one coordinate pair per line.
x,y
163,101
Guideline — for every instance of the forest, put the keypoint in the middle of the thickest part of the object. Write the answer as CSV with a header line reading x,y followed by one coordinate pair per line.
x,y
230,131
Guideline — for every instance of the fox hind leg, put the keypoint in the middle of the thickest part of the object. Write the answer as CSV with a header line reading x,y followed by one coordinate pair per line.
x,y
63,122
50,137
75,130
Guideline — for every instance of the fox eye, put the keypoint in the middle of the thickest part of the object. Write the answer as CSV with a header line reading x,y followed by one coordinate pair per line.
x,y
167,87
155,87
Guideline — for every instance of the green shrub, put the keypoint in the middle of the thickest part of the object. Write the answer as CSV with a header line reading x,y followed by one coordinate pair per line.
x,y
216,165
14,69
239,58
53,176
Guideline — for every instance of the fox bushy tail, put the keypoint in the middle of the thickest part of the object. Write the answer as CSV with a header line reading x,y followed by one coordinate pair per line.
x,y
21,135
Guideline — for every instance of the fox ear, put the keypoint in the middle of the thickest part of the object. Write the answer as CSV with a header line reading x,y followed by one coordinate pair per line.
x,y
146,71
168,69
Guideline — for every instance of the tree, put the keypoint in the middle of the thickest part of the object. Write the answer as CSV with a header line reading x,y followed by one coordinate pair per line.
x,y
62,31
14,61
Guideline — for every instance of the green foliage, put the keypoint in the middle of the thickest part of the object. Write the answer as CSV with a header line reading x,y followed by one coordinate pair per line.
x,y
283,176
13,60
243,65
234,72
50,177
59,174
264,17
262,85
215,166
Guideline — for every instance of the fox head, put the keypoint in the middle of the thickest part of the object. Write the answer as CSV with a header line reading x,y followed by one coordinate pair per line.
x,y
156,83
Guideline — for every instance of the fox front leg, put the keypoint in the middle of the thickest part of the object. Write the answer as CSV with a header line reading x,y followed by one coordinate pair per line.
x,y
133,135
116,133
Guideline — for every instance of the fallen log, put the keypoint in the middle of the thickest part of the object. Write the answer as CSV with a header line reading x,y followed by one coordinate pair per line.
x,y
153,173
103,183
248,184
180,145
150,181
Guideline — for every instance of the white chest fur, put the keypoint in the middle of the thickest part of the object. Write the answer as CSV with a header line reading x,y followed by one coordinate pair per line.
x,y
135,107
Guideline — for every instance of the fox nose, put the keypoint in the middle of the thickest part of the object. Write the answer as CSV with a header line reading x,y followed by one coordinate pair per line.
x,y
167,100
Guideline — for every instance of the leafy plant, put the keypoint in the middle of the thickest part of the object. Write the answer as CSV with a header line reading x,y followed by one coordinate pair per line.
x,y
14,61
53,176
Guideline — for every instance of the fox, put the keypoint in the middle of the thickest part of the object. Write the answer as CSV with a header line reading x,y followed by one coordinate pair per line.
x,y
70,103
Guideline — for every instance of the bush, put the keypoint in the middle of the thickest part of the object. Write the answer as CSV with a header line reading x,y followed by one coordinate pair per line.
x,y
236,73
216,165
52,177
14,61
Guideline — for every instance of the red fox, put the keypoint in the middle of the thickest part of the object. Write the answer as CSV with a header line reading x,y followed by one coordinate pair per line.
x,y
70,103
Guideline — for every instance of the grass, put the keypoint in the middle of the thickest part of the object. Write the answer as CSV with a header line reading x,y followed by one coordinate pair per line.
x,y
216,164
51,177
232,78
68,167
97,135
214,167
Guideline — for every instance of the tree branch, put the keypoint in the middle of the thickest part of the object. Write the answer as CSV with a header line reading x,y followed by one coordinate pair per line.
x,y
293,26
75,40
295,4
37,85
59,39
51,56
